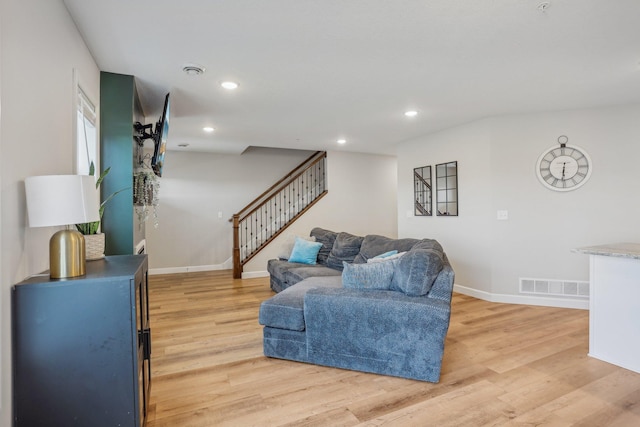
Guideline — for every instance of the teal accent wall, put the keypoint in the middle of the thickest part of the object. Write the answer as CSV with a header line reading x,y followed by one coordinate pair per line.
x,y
119,109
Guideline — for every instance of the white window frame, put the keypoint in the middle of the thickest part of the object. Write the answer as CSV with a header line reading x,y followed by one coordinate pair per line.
x,y
86,145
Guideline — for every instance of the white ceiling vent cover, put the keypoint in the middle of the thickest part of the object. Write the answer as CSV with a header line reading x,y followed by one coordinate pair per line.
x,y
563,288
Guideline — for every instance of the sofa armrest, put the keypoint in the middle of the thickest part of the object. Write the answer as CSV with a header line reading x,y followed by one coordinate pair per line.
x,y
379,331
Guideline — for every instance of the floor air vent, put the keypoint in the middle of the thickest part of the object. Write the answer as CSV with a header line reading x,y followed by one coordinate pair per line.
x,y
567,288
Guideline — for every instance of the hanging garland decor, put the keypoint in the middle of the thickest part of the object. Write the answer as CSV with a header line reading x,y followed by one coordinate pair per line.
x,y
146,187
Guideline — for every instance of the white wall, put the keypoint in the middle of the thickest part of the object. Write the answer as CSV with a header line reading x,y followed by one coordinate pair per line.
x,y
470,146
361,200
196,186
496,159
40,47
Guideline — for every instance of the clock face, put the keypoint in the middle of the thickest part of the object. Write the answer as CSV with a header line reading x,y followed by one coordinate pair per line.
x,y
564,167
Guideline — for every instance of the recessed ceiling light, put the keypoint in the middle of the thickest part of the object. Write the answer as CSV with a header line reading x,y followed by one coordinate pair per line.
x,y
341,141
229,85
411,113
193,69
208,129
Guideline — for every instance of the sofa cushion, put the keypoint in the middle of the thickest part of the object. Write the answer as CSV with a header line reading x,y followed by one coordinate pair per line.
x,y
327,238
368,276
277,267
304,251
345,248
374,245
286,309
416,271
286,274
428,244
301,272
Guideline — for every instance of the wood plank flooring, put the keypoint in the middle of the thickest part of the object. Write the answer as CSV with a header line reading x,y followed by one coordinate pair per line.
x,y
504,365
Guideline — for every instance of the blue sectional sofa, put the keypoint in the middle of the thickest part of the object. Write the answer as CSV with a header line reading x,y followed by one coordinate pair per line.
x,y
388,317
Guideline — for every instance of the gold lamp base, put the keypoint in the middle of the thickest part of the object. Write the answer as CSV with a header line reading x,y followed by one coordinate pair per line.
x,y
67,254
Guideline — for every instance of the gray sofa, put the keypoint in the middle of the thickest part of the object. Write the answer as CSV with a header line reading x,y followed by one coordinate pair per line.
x,y
387,317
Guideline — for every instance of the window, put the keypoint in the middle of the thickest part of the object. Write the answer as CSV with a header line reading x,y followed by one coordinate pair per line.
x,y
86,133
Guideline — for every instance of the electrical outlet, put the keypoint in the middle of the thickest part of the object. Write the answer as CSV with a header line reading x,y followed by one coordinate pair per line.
x,y
503,215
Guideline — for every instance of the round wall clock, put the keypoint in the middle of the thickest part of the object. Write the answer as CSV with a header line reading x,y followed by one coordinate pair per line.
x,y
564,167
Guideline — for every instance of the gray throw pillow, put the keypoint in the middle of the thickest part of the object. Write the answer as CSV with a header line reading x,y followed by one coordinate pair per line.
x,y
345,248
428,244
376,275
327,238
416,271
373,245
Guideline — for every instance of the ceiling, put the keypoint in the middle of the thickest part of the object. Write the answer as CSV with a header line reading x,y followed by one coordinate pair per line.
x,y
311,72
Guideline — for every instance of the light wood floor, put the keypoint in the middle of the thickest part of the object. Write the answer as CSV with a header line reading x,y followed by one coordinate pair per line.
x,y
503,365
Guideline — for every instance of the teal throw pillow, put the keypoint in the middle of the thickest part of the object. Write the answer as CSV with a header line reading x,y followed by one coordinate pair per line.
x,y
305,252
376,275
387,254
287,246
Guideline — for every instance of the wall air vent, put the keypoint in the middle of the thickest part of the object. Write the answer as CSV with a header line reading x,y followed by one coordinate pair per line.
x,y
566,288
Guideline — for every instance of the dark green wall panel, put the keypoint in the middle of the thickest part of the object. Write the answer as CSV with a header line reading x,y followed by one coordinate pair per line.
x,y
119,108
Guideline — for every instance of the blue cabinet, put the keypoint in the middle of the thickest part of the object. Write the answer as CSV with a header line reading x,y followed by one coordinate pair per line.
x,y
81,346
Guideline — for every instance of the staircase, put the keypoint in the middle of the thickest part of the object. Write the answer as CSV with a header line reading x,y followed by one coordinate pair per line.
x,y
262,220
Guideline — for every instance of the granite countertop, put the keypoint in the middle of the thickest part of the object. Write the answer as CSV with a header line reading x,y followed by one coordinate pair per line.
x,y
620,250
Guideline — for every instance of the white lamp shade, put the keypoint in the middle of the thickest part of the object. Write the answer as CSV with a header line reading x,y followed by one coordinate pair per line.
x,y
61,200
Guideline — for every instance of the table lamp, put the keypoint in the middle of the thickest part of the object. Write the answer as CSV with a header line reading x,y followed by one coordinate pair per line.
x,y
54,200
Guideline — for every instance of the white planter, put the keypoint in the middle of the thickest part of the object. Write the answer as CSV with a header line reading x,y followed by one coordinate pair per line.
x,y
94,244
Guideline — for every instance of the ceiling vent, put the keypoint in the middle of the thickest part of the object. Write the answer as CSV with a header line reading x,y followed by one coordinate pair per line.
x,y
542,7
193,70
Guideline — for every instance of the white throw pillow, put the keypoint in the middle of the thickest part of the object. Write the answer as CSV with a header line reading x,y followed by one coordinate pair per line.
x,y
287,245
389,258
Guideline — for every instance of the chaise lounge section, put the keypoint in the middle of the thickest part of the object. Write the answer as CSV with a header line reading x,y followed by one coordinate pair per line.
x,y
356,311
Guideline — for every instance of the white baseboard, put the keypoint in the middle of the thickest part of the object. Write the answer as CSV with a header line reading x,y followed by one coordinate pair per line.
x,y
254,274
192,269
227,265
523,299
189,269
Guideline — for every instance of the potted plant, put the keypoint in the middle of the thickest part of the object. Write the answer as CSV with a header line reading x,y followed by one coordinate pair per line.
x,y
94,239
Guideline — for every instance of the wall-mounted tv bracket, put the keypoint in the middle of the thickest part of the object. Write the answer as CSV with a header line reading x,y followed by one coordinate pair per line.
x,y
140,134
